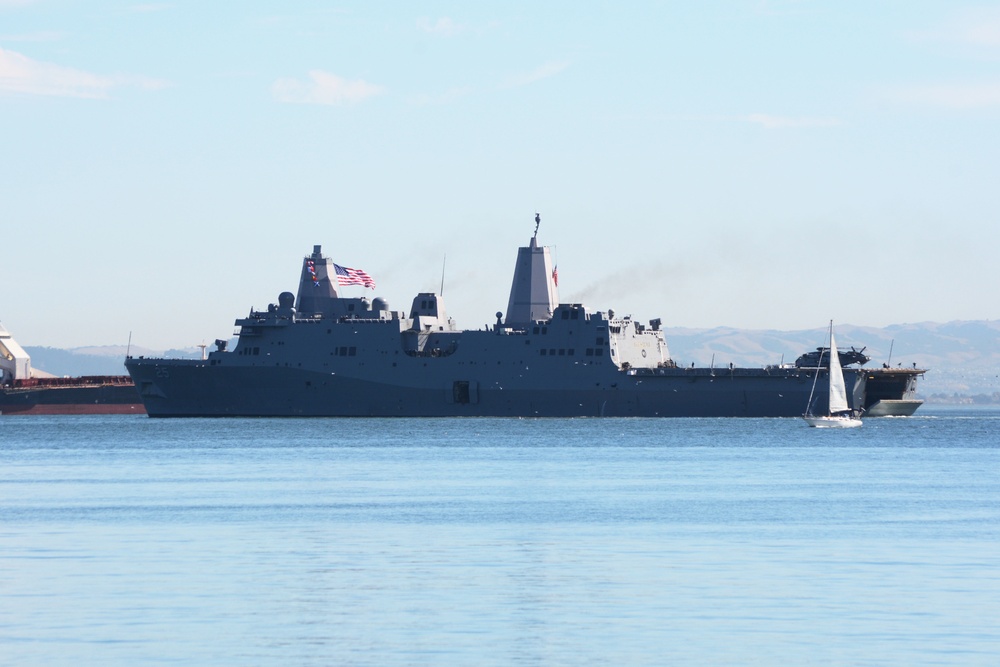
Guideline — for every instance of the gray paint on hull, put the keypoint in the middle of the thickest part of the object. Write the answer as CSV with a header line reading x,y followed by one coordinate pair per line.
x,y
184,388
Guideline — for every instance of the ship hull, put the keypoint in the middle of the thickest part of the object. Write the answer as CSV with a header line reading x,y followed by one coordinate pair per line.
x,y
99,399
178,388
894,407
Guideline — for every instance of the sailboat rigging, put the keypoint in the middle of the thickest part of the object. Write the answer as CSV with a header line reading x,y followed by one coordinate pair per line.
x,y
839,414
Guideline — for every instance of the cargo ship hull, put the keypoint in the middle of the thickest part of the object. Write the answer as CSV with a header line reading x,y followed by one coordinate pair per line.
x,y
71,396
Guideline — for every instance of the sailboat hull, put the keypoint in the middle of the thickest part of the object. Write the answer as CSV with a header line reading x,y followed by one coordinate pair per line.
x,y
833,422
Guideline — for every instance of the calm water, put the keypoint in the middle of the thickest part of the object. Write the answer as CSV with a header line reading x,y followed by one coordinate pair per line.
x,y
128,541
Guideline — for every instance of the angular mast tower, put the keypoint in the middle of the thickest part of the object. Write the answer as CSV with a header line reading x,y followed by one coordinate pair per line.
x,y
317,285
533,293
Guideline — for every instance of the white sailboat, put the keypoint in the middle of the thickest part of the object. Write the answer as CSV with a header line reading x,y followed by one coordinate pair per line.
x,y
839,414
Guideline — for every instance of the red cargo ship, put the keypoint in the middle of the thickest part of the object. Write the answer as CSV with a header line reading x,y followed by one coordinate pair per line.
x,y
23,392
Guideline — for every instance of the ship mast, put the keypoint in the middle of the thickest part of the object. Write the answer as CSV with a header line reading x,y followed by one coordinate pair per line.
x,y
533,293
317,285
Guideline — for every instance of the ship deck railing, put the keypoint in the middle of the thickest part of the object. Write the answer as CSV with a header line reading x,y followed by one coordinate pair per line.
x,y
83,381
718,371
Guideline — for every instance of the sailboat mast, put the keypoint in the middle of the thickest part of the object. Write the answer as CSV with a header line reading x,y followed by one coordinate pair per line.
x,y
838,390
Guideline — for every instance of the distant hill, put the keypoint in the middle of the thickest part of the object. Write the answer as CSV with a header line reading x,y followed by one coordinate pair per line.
x,y
102,360
961,357
927,344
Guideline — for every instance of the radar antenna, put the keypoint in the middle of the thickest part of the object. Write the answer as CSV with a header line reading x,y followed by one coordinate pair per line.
x,y
443,262
538,221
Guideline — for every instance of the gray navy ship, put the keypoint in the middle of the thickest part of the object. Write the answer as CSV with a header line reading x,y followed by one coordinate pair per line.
x,y
318,354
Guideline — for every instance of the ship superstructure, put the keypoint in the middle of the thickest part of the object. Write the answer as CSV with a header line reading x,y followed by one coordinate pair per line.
x,y
15,363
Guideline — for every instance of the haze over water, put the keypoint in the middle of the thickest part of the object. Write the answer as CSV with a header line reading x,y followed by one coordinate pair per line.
x,y
128,540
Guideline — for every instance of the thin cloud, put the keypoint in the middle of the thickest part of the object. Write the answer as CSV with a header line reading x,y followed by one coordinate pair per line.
x,y
447,97
782,122
973,28
40,36
22,75
545,71
442,27
324,88
982,34
768,121
950,96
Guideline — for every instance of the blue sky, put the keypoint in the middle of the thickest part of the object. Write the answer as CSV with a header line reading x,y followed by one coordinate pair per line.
x,y
756,164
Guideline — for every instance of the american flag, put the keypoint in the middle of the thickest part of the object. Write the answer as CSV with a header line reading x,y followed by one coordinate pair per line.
x,y
346,276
